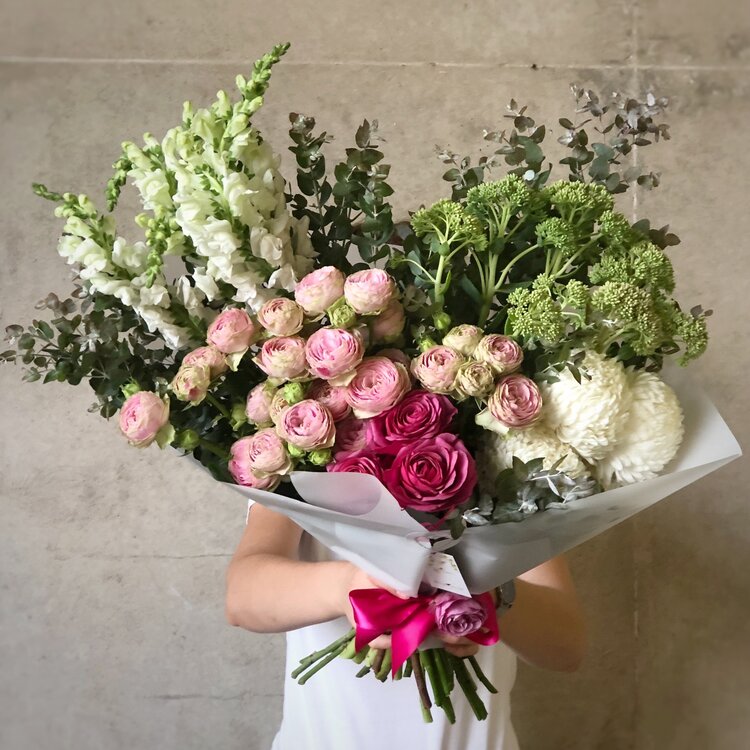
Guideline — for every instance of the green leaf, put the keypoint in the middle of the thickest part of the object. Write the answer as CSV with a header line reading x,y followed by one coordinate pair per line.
x,y
362,136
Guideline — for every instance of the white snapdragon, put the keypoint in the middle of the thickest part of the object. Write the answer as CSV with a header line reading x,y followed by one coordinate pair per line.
x,y
154,189
132,258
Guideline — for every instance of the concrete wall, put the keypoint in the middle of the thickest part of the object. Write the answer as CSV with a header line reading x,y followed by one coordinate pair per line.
x,y
112,632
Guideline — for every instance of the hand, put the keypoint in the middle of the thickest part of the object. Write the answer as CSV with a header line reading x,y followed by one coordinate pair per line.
x,y
458,646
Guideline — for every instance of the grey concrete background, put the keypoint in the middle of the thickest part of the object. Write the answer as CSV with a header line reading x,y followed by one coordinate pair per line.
x,y
112,632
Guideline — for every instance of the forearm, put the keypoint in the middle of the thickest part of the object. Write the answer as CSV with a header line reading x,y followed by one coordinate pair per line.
x,y
269,593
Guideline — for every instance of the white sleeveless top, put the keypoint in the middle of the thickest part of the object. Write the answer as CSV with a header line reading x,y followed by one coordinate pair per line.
x,y
334,710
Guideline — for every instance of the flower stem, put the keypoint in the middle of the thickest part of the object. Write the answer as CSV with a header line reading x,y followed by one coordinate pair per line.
x,y
481,676
214,448
219,406
317,667
385,667
445,670
507,269
469,687
424,696
312,658
427,659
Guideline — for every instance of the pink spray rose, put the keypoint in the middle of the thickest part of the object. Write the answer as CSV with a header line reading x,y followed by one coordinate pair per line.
x,y
258,406
351,435
283,358
307,425
474,380
388,325
281,316
432,474
501,353
377,385
358,462
142,416
232,331
241,470
266,453
436,369
333,353
333,397
458,615
420,414
208,356
317,291
516,401
463,338
396,355
191,383
369,291
278,406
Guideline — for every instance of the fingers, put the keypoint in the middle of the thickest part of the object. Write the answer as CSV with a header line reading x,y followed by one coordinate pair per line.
x,y
382,641
380,585
462,651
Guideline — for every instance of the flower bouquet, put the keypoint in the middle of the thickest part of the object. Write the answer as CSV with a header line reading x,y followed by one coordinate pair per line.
x,y
408,392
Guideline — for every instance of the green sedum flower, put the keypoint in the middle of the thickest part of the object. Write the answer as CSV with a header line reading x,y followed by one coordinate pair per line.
x,y
450,224
558,234
582,198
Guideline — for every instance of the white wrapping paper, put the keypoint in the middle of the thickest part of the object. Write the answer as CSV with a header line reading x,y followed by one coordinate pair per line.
x,y
359,520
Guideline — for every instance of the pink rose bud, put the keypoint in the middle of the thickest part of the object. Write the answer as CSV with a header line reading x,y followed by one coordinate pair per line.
x,y
378,384
463,338
516,401
266,453
317,291
281,316
258,406
333,397
333,353
351,435
501,353
278,406
420,414
191,383
436,369
389,324
432,474
283,358
209,357
307,425
369,291
241,470
358,462
142,416
232,331
458,615
474,380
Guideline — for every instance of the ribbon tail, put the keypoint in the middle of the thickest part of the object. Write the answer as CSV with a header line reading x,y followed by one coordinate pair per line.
x,y
406,638
490,633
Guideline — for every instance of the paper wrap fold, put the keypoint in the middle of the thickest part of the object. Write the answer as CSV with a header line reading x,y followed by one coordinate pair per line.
x,y
359,520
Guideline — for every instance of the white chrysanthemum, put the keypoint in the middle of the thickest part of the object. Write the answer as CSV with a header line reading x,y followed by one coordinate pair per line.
x,y
589,415
538,441
651,436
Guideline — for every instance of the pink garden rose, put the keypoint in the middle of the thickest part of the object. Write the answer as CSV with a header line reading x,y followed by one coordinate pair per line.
x,y
333,353
283,358
420,414
432,474
389,324
208,356
463,338
281,316
474,380
378,384
458,615
191,383
369,291
142,416
241,470
307,425
333,397
266,453
232,331
516,401
501,353
358,462
279,405
351,435
436,369
258,406
317,291
396,355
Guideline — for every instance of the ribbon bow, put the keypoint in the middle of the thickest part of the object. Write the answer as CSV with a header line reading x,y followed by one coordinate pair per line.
x,y
410,621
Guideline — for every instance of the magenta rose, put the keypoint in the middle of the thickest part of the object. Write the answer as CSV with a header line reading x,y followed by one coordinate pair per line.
x,y
232,331
378,384
307,425
266,453
333,353
208,356
258,406
281,316
333,397
351,435
432,474
458,615
516,401
436,369
283,358
358,462
388,325
369,291
420,414
501,353
241,469
317,291
142,416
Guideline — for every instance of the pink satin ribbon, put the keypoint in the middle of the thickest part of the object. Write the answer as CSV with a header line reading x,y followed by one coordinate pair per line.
x,y
410,621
